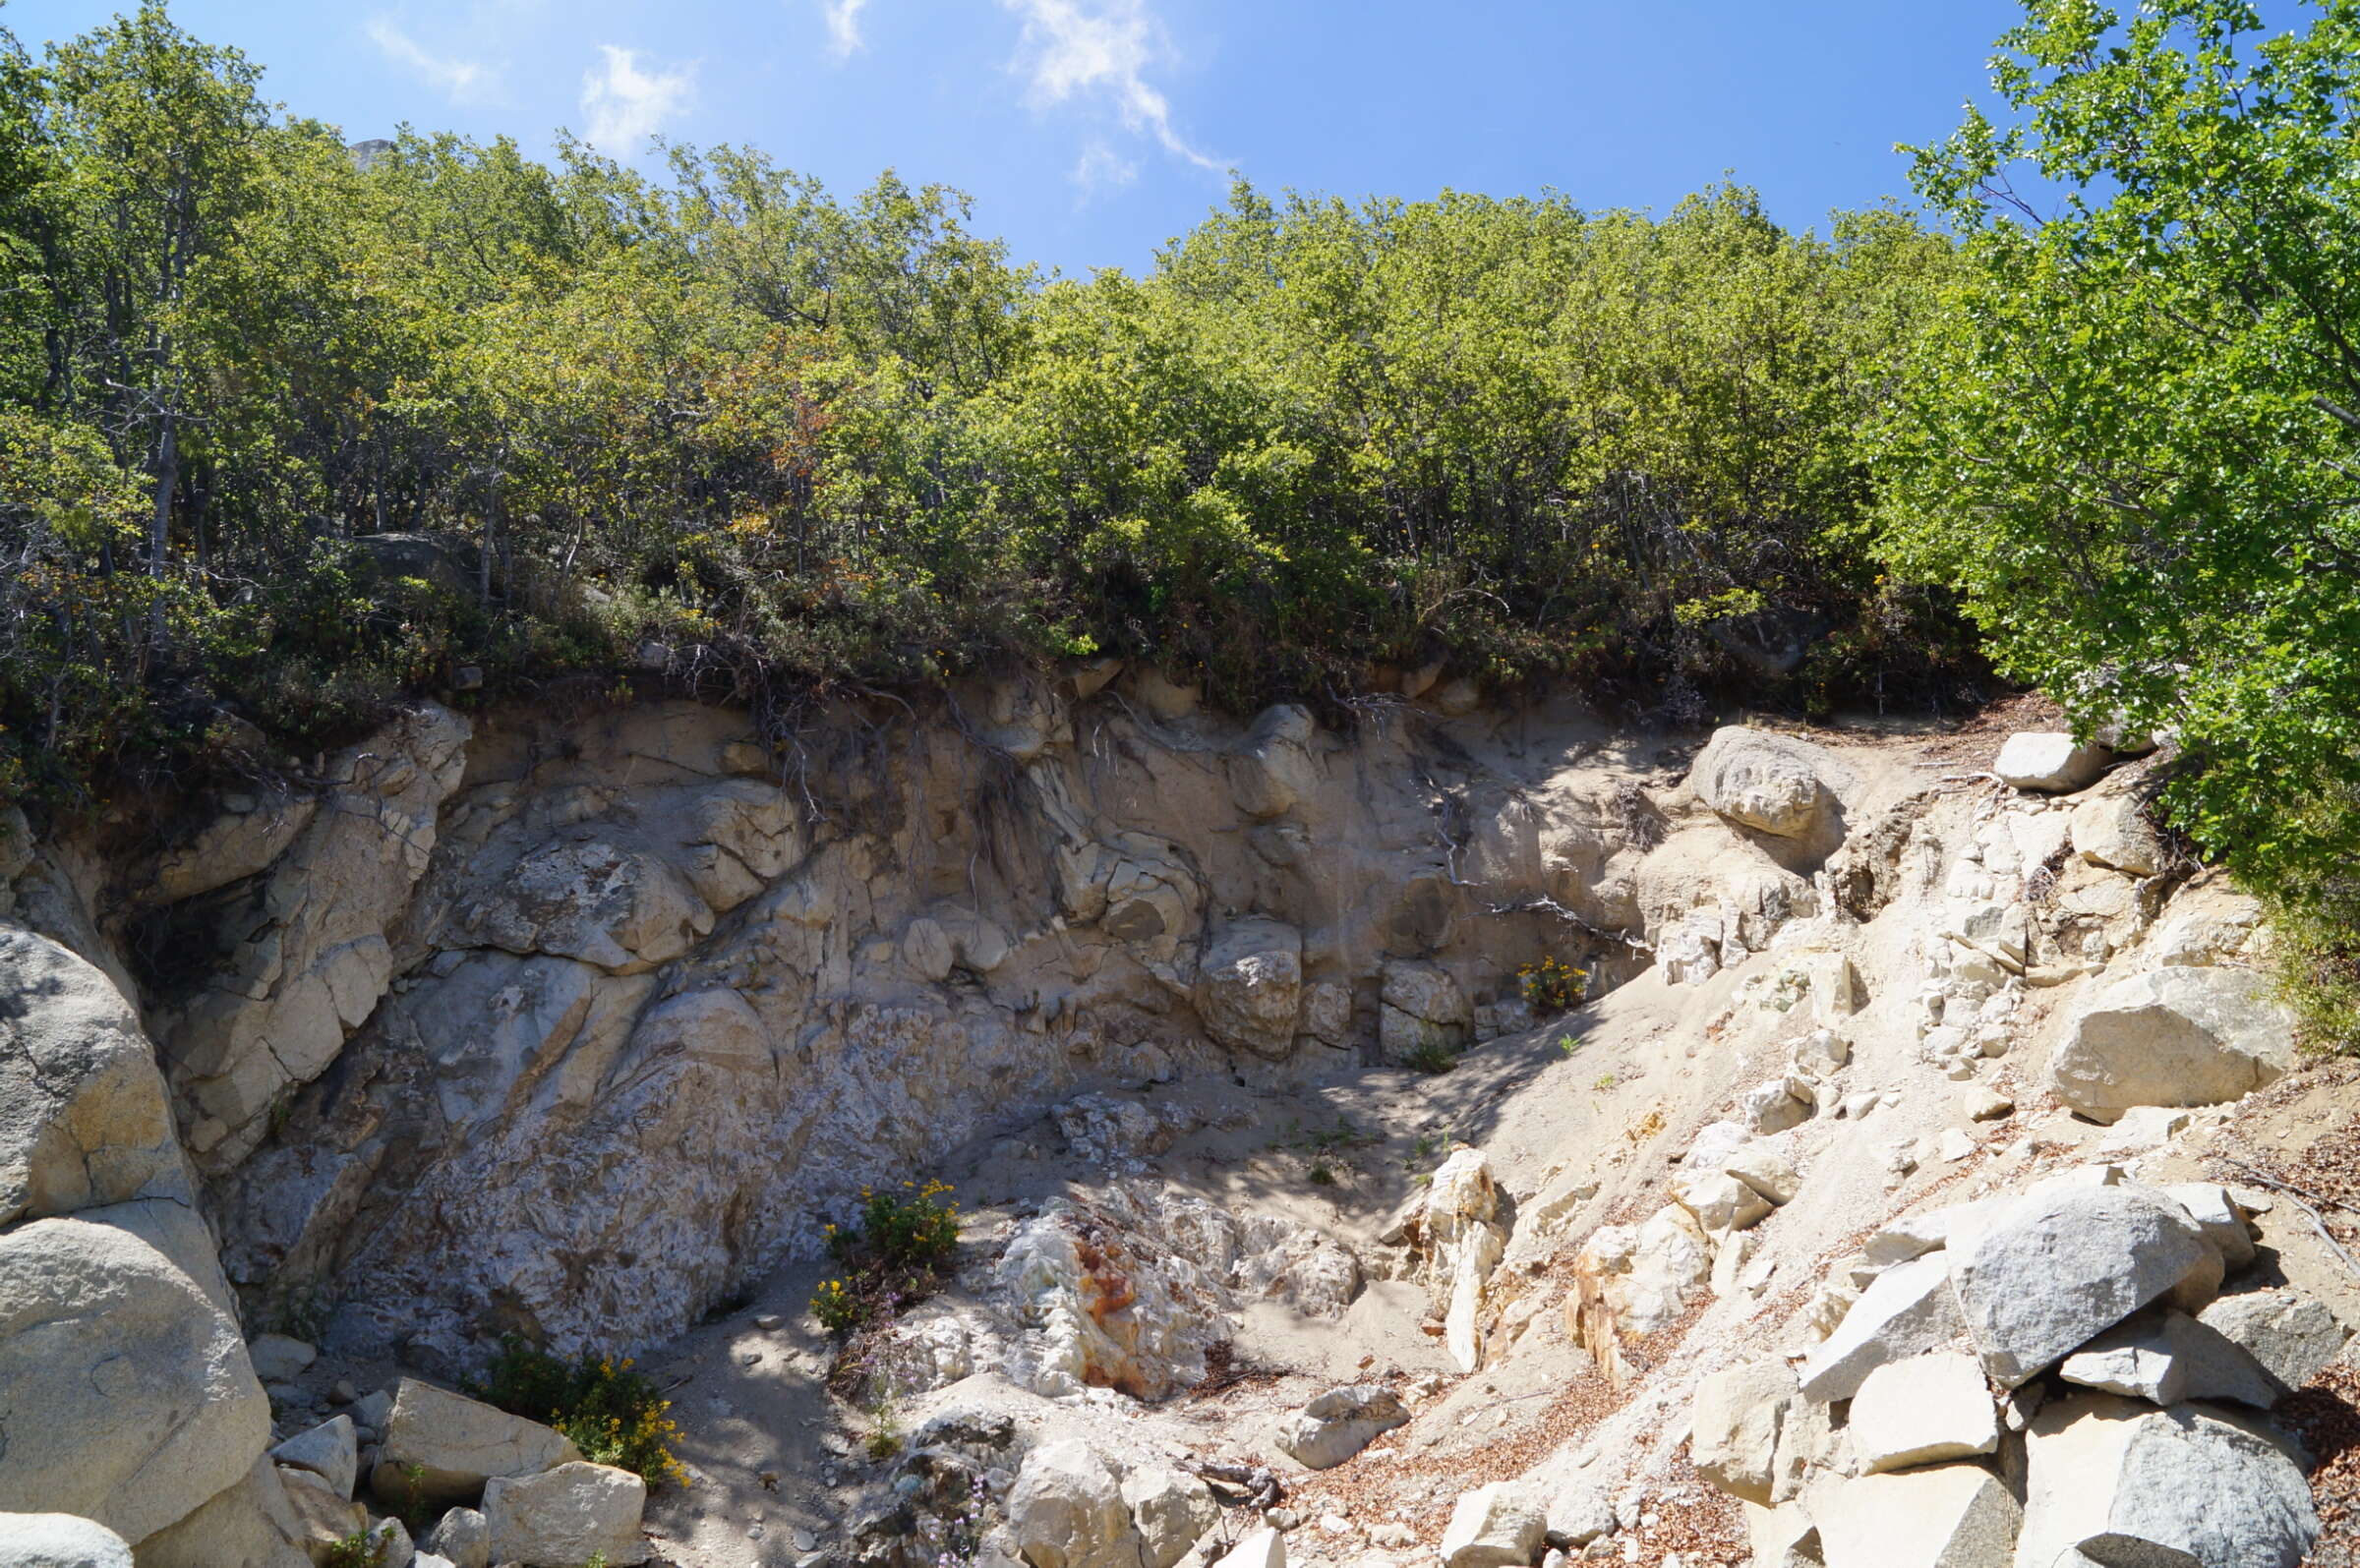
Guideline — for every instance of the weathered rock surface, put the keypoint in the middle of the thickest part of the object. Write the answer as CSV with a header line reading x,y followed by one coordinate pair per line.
x,y
2112,831
1497,1526
1252,986
322,1519
1067,1510
2174,1036
2167,1361
566,1516
130,1399
1948,1516
446,1446
1768,782
1736,1424
1908,1310
2049,762
1171,1510
463,1535
2117,1481
83,1121
2291,1336
1421,1009
327,1450
2061,1267
1341,1423
1922,1411
250,1524
59,1540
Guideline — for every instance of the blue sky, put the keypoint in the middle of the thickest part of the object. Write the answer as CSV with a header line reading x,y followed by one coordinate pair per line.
x,y
1091,130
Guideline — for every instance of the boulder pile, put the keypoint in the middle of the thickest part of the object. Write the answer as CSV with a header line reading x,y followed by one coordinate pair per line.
x,y
2050,1377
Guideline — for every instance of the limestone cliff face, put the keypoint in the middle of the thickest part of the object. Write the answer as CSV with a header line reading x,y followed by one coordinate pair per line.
x,y
577,1024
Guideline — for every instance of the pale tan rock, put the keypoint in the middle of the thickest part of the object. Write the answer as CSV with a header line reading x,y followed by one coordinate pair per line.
x,y
1721,1203
1497,1526
322,1517
456,1444
1735,1427
1922,1411
566,1516
1067,1510
1946,1516
83,1119
1906,1311
2112,831
2171,1037
1767,782
250,1525
1249,987
130,1399
1171,1511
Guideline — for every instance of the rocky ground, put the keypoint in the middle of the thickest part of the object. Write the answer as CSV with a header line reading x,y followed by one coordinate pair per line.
x,y
1930,1178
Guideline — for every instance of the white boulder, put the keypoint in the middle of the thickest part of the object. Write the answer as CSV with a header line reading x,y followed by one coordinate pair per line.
x,y
1948,1516
1906,1311
1250,986
2051,763
1922,1411
1496,1526
129,1398
1767,782
2173,1037
1171,1510
2167,1361
2290,1335
2112,831
59,1540
1735,1424
1067,1510
328,1451
442,1447
1341,1423
564,1517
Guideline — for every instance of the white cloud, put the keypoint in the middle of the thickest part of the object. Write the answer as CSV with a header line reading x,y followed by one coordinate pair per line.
x,y
624,104
459,80
844,26
1099,48
1102,168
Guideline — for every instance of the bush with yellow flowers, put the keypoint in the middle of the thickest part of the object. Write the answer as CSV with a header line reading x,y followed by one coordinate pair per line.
x,y
614,1412
1553,985
838,1310
912,1227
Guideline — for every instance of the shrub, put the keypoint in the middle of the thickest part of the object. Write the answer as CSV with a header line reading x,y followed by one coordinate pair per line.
x,y
2314,953
1553,985
360,1549
838,1310
909,1228
614,1414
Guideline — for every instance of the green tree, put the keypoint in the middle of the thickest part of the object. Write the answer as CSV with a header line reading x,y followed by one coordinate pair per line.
x,y
2134,443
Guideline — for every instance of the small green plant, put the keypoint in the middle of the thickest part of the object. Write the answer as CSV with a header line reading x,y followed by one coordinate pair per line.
x,y
614,1414
884,1439
414,1511
1551,985
1431,1058
1569,1043
1606,1081
360,1549
1320,1176
909,1228
838,1310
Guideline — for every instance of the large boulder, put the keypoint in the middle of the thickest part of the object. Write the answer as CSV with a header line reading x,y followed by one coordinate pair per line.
x,y
2112,831
1421,1009
1250,986
2175,1036
1340,1423
1171,1509
2168,1360
2062,1265
1949,1516
252,1524
1734,1427
1067,1510
2116,1480
1273,770
565,1517
1906,1311
1922,1411
2291,1336
463,1535
1767,782
328,1451
83,1121
59,1540
1497,1526
129,1398
2050,763
442,1447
